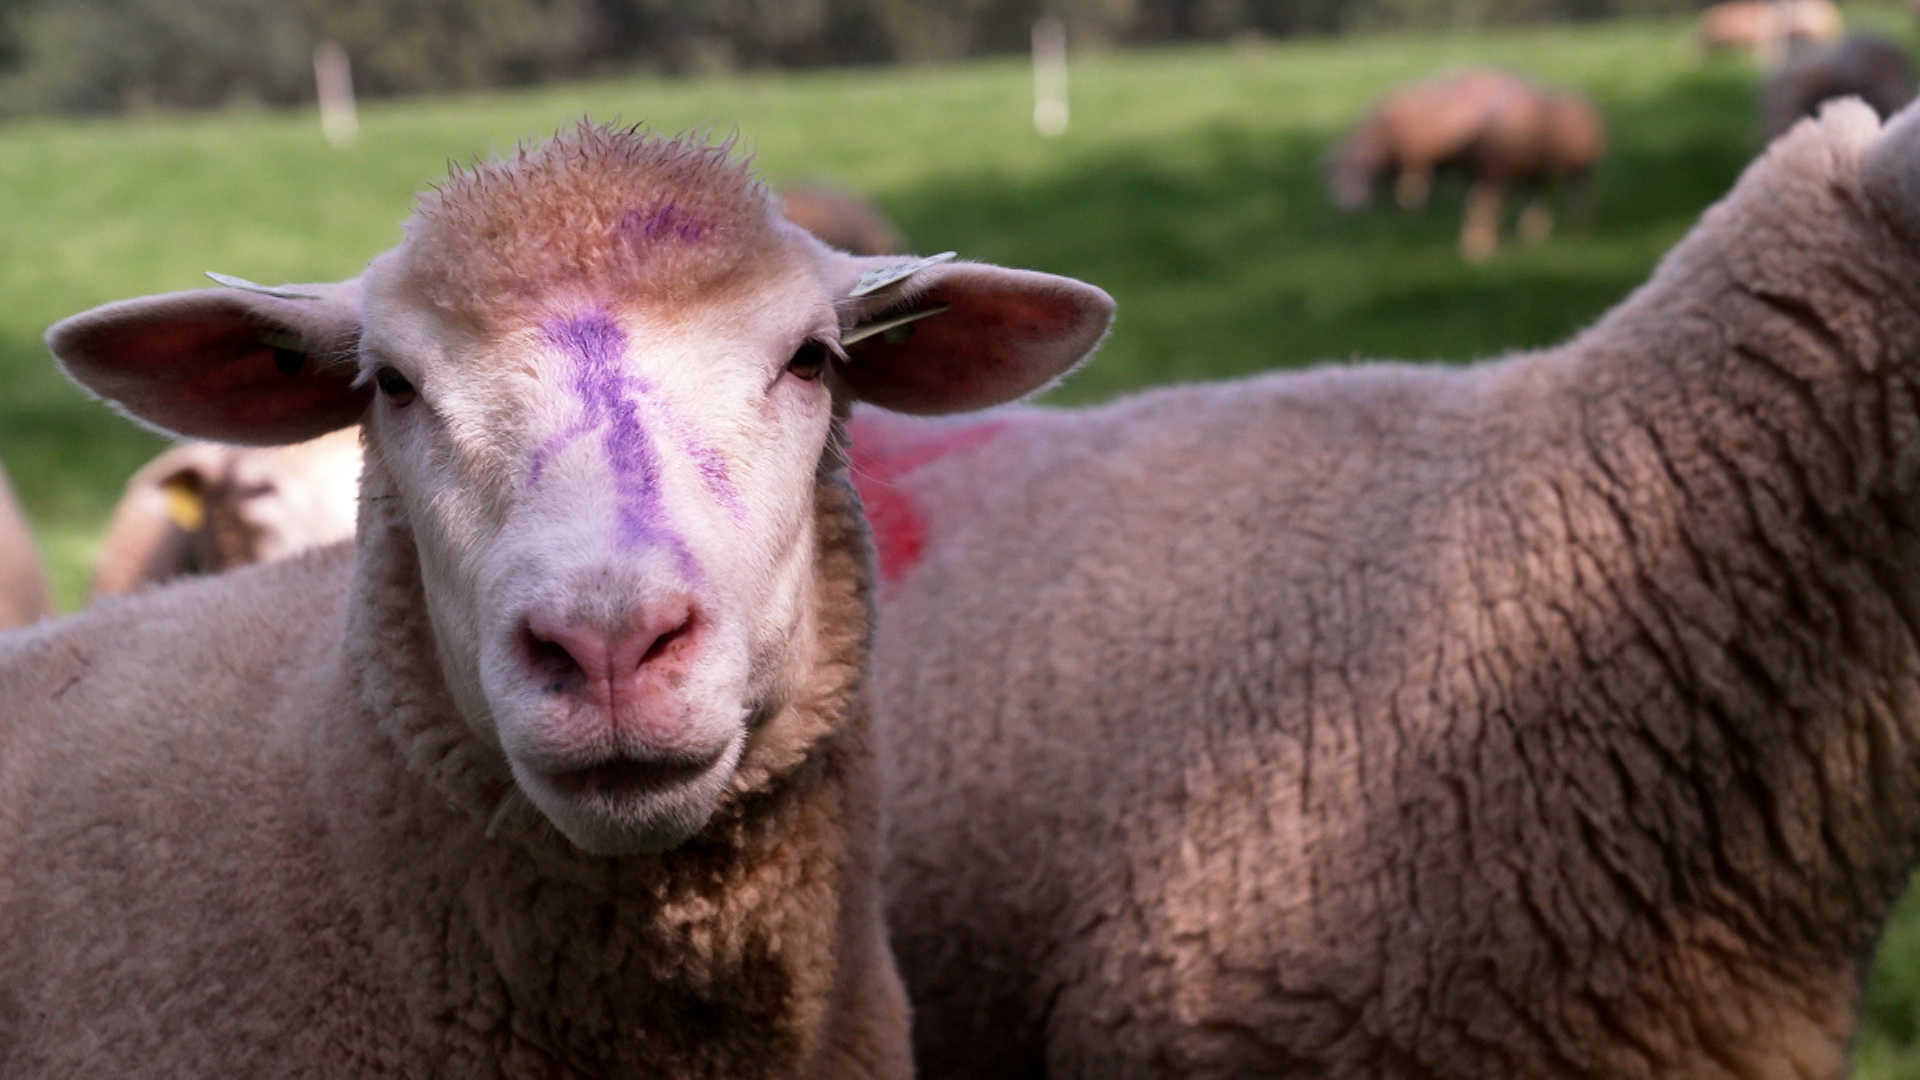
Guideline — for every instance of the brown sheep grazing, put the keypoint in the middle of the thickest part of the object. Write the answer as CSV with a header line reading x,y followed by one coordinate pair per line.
x,y
1556,716
23,584
1500,129
1764,28
842,219
1866,66
202,508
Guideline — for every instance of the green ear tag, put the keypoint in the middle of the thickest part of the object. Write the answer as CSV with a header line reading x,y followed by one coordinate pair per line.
x,y
885,276
892,331
244,285
288,355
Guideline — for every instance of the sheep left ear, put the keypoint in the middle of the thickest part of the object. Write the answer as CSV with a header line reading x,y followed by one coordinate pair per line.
x,y
984,334
244,364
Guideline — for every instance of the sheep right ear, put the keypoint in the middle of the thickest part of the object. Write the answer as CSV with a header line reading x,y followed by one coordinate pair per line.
x,y
239,365
931,336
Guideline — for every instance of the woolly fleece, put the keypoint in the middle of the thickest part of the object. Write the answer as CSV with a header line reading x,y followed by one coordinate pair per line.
x,y
1554,717
23,585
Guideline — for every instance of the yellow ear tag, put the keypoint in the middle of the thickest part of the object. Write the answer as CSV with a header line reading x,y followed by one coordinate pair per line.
x,y
185,507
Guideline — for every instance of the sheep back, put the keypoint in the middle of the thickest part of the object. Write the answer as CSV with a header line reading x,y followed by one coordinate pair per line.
x,y
1550,717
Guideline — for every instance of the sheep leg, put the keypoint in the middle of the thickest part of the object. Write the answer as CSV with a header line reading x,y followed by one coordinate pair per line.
x,y
1536,222
1480,232
1413,186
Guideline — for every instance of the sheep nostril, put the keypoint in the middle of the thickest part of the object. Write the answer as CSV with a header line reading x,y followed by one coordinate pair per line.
x,y
556,667
668,640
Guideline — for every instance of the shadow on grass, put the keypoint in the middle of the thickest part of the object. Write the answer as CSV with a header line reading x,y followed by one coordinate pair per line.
x,y
1227,258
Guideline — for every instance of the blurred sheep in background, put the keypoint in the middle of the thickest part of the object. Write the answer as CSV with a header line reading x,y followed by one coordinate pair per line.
x,y
201,508
843,219
1501,129
1864,65
1764,28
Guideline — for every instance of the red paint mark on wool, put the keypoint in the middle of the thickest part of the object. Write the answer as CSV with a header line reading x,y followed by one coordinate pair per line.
x,y
882,457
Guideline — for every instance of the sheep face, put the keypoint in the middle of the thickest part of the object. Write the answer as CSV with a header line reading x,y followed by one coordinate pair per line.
x,y
612,502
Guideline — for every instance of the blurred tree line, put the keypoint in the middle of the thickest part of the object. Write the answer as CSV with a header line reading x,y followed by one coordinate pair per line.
x,y
108,55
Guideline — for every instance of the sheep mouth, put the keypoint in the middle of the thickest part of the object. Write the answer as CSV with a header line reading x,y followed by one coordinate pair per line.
x,y
623,777
613,803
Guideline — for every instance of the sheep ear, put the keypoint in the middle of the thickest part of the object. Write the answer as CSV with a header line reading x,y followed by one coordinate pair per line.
x,y
239,365
929,336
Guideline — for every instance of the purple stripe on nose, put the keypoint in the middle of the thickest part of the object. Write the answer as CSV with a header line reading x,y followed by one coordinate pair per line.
x,y
610,400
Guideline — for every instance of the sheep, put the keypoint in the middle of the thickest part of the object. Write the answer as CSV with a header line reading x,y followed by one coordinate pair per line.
x,y
562,767
23,584
843,219
1764,28
1865,65
201,508
1555,716
1502,129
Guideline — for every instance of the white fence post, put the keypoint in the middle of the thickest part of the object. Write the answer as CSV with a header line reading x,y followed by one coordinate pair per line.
x,y
1049,76
333,82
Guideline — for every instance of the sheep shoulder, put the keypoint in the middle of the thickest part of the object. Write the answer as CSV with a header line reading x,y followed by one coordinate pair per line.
x,y
191,801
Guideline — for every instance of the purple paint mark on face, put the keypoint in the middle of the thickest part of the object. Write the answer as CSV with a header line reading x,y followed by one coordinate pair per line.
x,y
548,450
666,221
711,466
610,404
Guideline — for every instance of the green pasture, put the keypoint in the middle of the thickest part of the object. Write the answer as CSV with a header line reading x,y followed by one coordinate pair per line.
x,y
1187,187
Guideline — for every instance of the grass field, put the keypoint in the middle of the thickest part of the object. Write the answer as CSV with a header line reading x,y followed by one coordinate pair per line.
x,y
1186,187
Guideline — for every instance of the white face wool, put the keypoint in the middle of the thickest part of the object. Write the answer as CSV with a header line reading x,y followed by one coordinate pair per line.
x,y
625,590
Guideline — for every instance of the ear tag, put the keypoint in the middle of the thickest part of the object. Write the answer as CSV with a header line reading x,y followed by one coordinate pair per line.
x,y
893,331
185,507
244,285
288,356
881,277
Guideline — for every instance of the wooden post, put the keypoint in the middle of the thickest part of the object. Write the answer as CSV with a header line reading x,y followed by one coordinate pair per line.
x,y
1049,76
333,81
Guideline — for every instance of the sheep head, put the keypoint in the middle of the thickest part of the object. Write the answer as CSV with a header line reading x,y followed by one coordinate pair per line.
x,y
602,377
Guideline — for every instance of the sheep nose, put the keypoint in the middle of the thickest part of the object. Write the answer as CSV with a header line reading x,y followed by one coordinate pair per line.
x,y
580,656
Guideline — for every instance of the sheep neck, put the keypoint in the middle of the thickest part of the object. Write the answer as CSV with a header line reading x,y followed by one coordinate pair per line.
x,y
721,951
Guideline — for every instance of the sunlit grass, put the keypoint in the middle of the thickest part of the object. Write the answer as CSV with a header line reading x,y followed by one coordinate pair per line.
x,y
1187,186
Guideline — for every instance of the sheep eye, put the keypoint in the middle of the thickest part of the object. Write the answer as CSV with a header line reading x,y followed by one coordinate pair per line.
x,y
809,361
394,385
